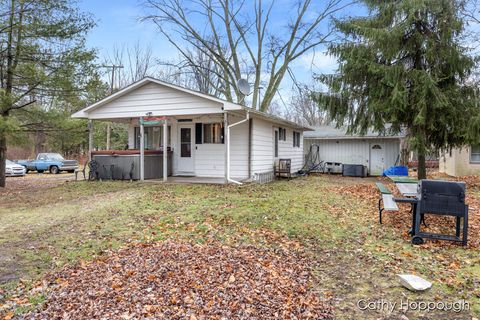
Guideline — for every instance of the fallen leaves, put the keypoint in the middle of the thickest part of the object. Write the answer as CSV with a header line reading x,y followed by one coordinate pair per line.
x,y
9,316
184,281
368,195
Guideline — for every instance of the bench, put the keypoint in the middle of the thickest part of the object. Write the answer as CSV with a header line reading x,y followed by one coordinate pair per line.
x,y
283,168
387,199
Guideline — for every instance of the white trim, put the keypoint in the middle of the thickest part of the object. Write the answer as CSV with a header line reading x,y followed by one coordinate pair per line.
x,y
135,85
191,126
228,146
227,106
142,150
165,150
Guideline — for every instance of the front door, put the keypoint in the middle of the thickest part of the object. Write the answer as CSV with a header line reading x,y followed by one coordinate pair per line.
x,y
377,163
185,159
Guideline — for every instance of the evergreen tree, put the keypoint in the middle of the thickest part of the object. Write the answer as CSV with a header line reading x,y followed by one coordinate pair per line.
x,y
41,44
403,67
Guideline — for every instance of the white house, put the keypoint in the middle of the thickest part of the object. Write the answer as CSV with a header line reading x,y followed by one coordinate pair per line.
x,y
461,161
375,151
205,136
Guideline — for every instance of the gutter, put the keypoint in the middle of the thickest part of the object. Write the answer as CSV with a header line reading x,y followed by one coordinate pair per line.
x,y
228,147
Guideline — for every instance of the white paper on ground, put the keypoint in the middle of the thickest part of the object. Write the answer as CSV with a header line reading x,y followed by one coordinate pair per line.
x,y
413,282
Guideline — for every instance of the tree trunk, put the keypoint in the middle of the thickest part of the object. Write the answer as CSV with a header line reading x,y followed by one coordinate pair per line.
x,y
421,168
421,151
3,157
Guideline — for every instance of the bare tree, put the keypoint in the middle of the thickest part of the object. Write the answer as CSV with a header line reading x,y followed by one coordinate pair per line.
x,y
240,46
303,109
137,61
195,71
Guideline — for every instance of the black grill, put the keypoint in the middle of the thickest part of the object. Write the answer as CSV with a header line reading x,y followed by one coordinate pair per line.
x,y
442,198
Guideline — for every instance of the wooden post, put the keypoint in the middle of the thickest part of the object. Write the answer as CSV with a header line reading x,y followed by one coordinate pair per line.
x,y
142,150
227,147
165,150
109,130
90,139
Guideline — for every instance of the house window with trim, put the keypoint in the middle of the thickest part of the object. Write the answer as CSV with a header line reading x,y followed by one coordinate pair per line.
x,y
296,139
209,133
153,137
282,132
475,153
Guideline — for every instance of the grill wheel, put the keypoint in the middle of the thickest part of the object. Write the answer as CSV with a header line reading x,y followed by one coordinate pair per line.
x,y
417,240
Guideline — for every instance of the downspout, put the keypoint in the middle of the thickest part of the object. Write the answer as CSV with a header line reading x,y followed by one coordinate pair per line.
x,y
228,147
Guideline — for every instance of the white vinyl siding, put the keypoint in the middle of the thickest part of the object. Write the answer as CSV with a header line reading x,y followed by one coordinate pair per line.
x,y
286,150
210,160
262,146
158,99
239,149
355,151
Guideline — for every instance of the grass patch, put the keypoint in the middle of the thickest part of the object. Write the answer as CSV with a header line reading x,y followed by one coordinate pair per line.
x,y
357,258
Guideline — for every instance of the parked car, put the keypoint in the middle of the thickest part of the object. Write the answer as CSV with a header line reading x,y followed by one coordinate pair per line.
x,y
12,169
52,162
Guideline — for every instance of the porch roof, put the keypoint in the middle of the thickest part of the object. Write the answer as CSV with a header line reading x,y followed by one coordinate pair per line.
x,y
225,105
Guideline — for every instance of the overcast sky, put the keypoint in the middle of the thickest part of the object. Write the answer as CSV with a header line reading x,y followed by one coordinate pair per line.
x,y
118,24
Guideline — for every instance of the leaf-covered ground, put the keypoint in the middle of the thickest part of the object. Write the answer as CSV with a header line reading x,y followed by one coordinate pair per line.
x,y
329,224
170,280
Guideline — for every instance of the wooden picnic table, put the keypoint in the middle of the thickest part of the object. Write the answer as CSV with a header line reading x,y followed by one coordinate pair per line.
x,y
403,179
407,189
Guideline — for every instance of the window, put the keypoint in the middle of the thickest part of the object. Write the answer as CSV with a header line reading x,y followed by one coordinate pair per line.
x,y
185,142
213,133
276,143
475,153
153,137
296,139
282,132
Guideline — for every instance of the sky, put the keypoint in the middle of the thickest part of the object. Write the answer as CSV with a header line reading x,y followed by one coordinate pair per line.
x,y
118,24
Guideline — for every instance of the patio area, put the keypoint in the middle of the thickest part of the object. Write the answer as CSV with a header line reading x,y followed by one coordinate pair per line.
x,y
187,180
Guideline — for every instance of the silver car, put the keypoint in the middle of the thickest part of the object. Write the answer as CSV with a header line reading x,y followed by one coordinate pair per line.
x,y
12,169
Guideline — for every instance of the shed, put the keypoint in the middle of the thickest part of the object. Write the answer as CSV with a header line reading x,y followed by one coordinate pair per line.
x,y
374,150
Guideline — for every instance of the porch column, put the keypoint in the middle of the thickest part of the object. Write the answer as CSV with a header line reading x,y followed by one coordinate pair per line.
x,y
227,146
142,150
165,150
90,139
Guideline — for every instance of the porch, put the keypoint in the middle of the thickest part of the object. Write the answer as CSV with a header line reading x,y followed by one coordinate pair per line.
x,y
189,180
199,149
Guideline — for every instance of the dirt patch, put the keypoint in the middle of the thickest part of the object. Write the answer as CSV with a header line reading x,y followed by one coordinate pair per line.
x,y
184,281
16,186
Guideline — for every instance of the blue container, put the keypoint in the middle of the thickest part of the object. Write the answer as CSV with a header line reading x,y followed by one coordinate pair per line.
x,y
396,171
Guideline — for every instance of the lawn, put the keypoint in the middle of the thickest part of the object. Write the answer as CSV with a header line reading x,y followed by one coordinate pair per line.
x,y
332,220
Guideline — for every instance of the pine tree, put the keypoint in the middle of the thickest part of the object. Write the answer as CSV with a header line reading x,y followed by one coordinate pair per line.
x,y
403,67
41,43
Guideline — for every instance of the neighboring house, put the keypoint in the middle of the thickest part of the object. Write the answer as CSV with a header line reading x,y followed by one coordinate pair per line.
x,y
376,152
206,136
461,161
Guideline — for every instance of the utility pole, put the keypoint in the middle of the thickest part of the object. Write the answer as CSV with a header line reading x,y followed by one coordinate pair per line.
x,y
113,67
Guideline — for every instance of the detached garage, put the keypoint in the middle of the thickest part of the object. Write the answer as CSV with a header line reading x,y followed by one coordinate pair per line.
x,y
375,152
